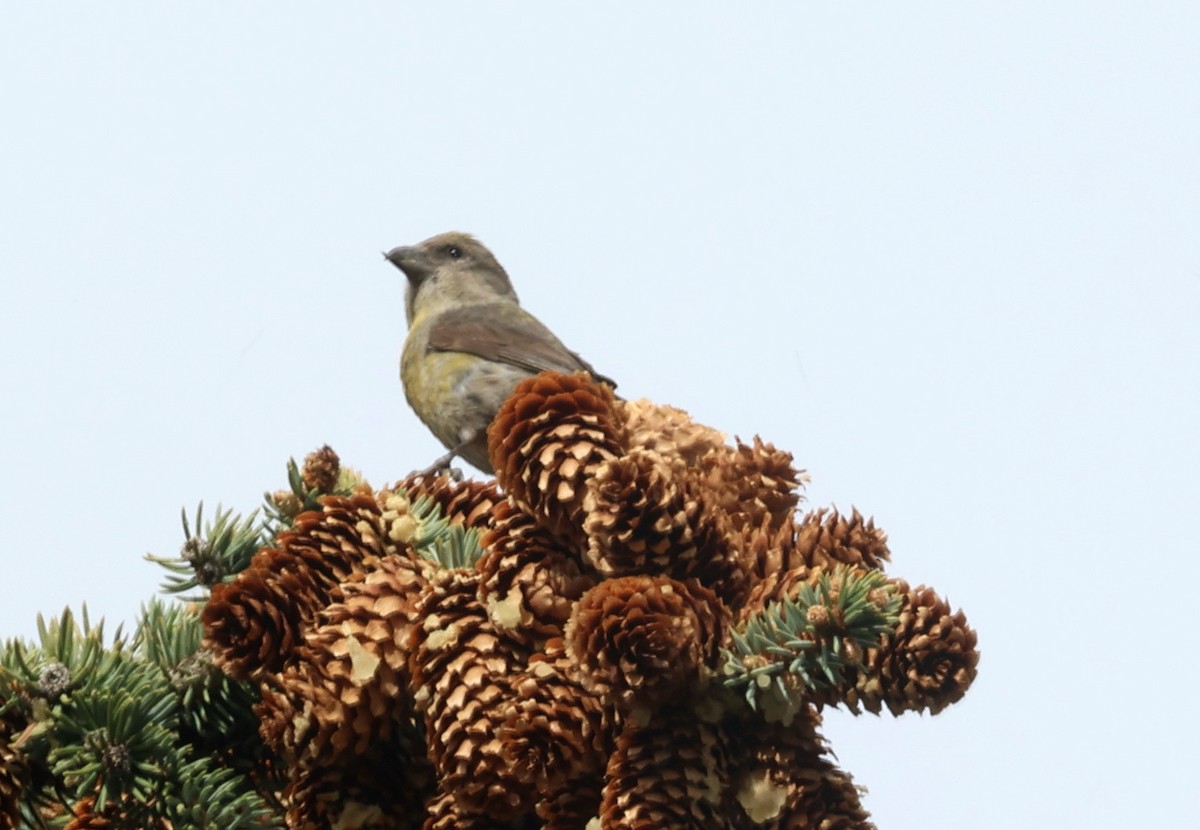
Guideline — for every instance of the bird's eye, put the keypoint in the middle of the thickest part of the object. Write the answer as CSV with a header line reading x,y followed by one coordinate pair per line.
x,y
455,252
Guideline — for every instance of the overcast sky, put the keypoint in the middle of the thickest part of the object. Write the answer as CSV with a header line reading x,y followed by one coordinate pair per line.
x,y
946,253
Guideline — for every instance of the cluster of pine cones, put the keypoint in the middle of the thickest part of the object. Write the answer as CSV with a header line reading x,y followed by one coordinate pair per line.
x,y
566,671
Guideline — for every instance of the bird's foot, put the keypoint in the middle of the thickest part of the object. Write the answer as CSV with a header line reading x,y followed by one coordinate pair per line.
x,y
441,466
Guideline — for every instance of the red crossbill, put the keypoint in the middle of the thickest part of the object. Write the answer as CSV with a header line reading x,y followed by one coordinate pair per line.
x,y
469,342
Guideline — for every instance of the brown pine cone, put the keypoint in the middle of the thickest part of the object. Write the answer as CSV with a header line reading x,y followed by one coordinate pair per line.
x,y
774,588
782,777
469,503
928,662
529,581
670,772
547,440
254,623
349,687
780,557
751,482
553,729
445,813
825,538
571,805
320,470
637,518
642,516
385,789
668,431
462,670
641,641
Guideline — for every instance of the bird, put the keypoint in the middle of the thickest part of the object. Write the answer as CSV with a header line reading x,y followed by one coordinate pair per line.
x,y
469,342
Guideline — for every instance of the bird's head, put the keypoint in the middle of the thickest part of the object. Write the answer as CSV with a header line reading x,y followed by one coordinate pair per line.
x,y
450,270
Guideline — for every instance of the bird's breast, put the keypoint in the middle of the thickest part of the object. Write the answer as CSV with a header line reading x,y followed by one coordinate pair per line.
x,y
456,394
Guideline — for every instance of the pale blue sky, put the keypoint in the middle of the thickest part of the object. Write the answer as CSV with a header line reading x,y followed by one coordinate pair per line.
x,y
945,253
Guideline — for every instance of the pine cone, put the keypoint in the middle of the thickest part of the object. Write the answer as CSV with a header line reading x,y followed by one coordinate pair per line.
x,y
752,482
645,640
637,520
383,790
825,538
668,773
461,669
928,662
552,728
642,516
767,550
780,558
469,503
254,624
782,777
546,441
320,470
572,805
668,431
523,690
445,813
774,588
349,687
528,581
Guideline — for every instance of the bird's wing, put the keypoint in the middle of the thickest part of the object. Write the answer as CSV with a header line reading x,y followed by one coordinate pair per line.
x,y
489,333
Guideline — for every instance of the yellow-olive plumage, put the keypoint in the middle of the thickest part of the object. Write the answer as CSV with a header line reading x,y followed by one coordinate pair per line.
x,y
469,341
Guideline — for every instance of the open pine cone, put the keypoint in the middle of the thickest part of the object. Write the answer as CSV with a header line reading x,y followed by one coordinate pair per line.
x,y
594,653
